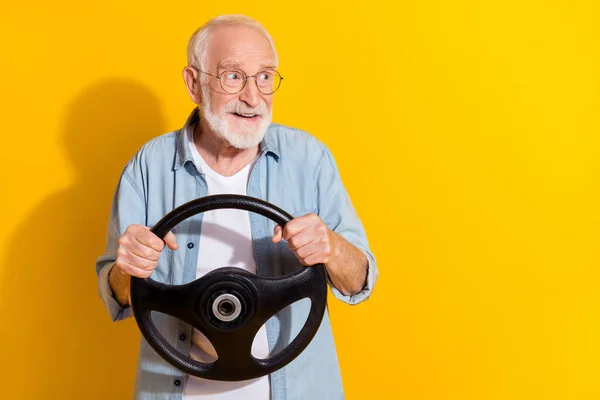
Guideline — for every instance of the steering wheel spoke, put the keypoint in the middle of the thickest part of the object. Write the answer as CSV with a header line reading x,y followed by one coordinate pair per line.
x,y
151,295
274,294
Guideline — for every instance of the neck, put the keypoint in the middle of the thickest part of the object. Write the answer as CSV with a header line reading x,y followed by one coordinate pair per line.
x,y
219,154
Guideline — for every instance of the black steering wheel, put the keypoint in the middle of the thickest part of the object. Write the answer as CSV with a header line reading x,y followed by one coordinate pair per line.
x,y
228,305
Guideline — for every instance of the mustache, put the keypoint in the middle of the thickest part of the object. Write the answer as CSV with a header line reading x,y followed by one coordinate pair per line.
x,y
241,108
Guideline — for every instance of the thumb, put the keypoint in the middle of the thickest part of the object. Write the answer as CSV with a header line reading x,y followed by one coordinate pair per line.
x,y
171,241
277,234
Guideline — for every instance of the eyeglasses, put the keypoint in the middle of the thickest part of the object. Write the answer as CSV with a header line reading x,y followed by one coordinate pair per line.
x,y
234,80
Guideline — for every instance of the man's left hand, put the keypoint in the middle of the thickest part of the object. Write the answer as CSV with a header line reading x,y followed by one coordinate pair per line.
x,y
309,238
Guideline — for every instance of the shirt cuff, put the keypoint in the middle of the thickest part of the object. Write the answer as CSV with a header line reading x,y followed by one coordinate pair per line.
x,y
365,293
116,311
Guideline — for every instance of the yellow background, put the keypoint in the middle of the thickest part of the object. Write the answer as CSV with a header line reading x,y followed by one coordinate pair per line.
x,y
465,131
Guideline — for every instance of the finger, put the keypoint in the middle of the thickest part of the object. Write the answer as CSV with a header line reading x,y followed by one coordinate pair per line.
x,y
296,226
142,263
126,267
149,239
316,258
277,234
171,240
142,251
302,238
129,259
138,272
307,252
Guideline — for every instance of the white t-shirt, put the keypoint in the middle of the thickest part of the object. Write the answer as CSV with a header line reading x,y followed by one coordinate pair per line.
x,y
225,240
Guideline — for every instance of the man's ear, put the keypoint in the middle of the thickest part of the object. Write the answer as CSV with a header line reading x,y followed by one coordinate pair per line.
x,y
191,77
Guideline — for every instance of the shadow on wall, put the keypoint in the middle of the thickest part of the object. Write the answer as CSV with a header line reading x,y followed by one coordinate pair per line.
x,y
61,343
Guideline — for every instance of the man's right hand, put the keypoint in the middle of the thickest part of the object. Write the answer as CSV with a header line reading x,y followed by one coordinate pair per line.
x,y
138,254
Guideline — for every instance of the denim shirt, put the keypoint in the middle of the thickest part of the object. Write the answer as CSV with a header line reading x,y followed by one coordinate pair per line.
x,y
295,172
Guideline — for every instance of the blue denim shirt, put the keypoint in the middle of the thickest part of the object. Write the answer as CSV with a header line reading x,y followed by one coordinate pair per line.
x,y
295,172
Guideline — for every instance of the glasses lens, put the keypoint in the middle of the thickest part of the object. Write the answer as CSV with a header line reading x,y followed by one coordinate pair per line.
x,y
268,81
232,81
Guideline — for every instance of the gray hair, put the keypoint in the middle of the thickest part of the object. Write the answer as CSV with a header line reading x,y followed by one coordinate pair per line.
x,y
198,43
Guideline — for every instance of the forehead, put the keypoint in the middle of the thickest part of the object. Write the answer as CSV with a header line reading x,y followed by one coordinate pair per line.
x,y
238,44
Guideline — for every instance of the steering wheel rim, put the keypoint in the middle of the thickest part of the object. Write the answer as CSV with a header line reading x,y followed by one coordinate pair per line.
x,y
258,299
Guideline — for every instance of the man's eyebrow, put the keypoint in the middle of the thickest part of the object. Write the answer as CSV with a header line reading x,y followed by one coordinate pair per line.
x,y
229,64
239,65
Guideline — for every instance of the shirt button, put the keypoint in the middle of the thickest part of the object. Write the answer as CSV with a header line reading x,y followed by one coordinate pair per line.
x,y
182,337
190,245
177,382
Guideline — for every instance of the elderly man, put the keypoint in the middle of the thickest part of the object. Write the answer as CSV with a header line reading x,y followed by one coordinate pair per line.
x,y
228,145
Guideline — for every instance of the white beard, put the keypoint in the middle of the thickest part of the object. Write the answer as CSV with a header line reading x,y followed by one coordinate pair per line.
x,y
251,134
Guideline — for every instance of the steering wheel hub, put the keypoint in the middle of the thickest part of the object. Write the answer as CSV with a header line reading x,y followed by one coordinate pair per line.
x,y
226,307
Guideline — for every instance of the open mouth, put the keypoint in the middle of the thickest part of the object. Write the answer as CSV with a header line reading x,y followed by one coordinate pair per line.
x,y
250,116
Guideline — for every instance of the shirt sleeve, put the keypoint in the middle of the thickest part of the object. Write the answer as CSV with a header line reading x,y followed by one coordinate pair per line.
x,y
338,213
128,207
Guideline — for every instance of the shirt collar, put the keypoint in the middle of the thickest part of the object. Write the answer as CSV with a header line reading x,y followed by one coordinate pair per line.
x,y
184,153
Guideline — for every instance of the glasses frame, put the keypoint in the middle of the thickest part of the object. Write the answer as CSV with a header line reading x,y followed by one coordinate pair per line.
x,y
245,79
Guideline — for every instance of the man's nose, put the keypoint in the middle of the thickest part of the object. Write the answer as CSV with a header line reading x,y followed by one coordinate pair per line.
x,y
250,93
